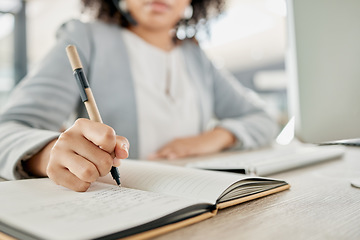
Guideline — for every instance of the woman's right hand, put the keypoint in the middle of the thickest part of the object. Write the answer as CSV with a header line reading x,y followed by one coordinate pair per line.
x,y
81,154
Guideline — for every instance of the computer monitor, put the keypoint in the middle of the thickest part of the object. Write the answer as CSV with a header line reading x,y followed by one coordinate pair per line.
x,y
323,65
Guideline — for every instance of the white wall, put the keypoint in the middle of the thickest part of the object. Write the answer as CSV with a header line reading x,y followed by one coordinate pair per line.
x,y
43,19
250,35
254,33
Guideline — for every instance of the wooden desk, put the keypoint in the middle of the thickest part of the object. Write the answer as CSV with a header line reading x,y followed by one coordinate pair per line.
x,y
321,204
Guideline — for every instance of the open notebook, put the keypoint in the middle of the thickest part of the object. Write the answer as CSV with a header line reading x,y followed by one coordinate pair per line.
x,y
154,199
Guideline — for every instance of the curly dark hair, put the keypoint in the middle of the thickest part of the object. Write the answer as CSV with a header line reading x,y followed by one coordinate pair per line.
x,y
202,10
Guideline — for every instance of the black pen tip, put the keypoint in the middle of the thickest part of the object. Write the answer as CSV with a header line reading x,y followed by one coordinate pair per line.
x,y
118,182
116,175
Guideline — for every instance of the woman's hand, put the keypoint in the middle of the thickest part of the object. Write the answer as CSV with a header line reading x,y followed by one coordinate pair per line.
x,y
80,155
206,143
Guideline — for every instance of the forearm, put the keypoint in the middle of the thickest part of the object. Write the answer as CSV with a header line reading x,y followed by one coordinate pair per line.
x,y
252,131
19,142
205,143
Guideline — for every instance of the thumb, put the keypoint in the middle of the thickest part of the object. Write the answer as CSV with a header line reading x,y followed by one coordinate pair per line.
x,y
122,148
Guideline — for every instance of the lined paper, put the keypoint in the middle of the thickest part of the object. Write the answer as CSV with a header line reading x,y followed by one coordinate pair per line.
x,y
52,212
203,185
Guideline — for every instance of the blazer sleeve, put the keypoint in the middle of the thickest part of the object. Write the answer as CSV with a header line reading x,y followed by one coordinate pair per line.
x,y
38,107
241,111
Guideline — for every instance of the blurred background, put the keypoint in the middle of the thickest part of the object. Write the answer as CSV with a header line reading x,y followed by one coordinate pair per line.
x,y
248,39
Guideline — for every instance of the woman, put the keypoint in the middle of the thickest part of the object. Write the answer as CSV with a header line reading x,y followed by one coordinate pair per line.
x,y
159,92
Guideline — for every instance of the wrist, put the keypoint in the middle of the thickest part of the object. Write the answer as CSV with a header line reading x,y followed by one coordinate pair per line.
x,y
226,138
37,164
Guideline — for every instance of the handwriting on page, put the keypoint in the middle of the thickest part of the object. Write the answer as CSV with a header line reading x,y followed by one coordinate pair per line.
x,y
102,203
54,212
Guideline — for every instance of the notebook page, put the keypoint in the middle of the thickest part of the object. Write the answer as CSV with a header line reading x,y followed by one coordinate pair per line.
x,y
50,211
203,185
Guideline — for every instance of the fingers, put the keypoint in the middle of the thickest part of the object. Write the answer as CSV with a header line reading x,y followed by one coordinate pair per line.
x,y
98,133
74,173
68,180
83,153
168,153
69,169
72,143
104,137
82,169
122,148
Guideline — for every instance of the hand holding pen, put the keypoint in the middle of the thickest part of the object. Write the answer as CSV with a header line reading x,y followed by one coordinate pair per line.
x,y
86,151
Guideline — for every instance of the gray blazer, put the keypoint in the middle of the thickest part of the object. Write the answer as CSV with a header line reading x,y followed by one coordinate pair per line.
x,y
48,96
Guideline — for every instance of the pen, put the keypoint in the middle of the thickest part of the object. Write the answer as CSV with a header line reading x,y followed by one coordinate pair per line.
x,y
87,96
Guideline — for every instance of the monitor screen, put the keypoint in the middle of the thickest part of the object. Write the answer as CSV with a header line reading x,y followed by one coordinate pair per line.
x,y
323,66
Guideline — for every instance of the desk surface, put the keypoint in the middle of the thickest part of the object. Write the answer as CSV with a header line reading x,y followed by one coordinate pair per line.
x,y
321,204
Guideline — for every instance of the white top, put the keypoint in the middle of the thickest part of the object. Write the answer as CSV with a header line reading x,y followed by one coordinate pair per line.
x,y
167,103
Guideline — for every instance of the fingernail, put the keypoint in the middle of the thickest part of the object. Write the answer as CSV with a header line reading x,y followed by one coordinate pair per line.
x,y
126,148
116,162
